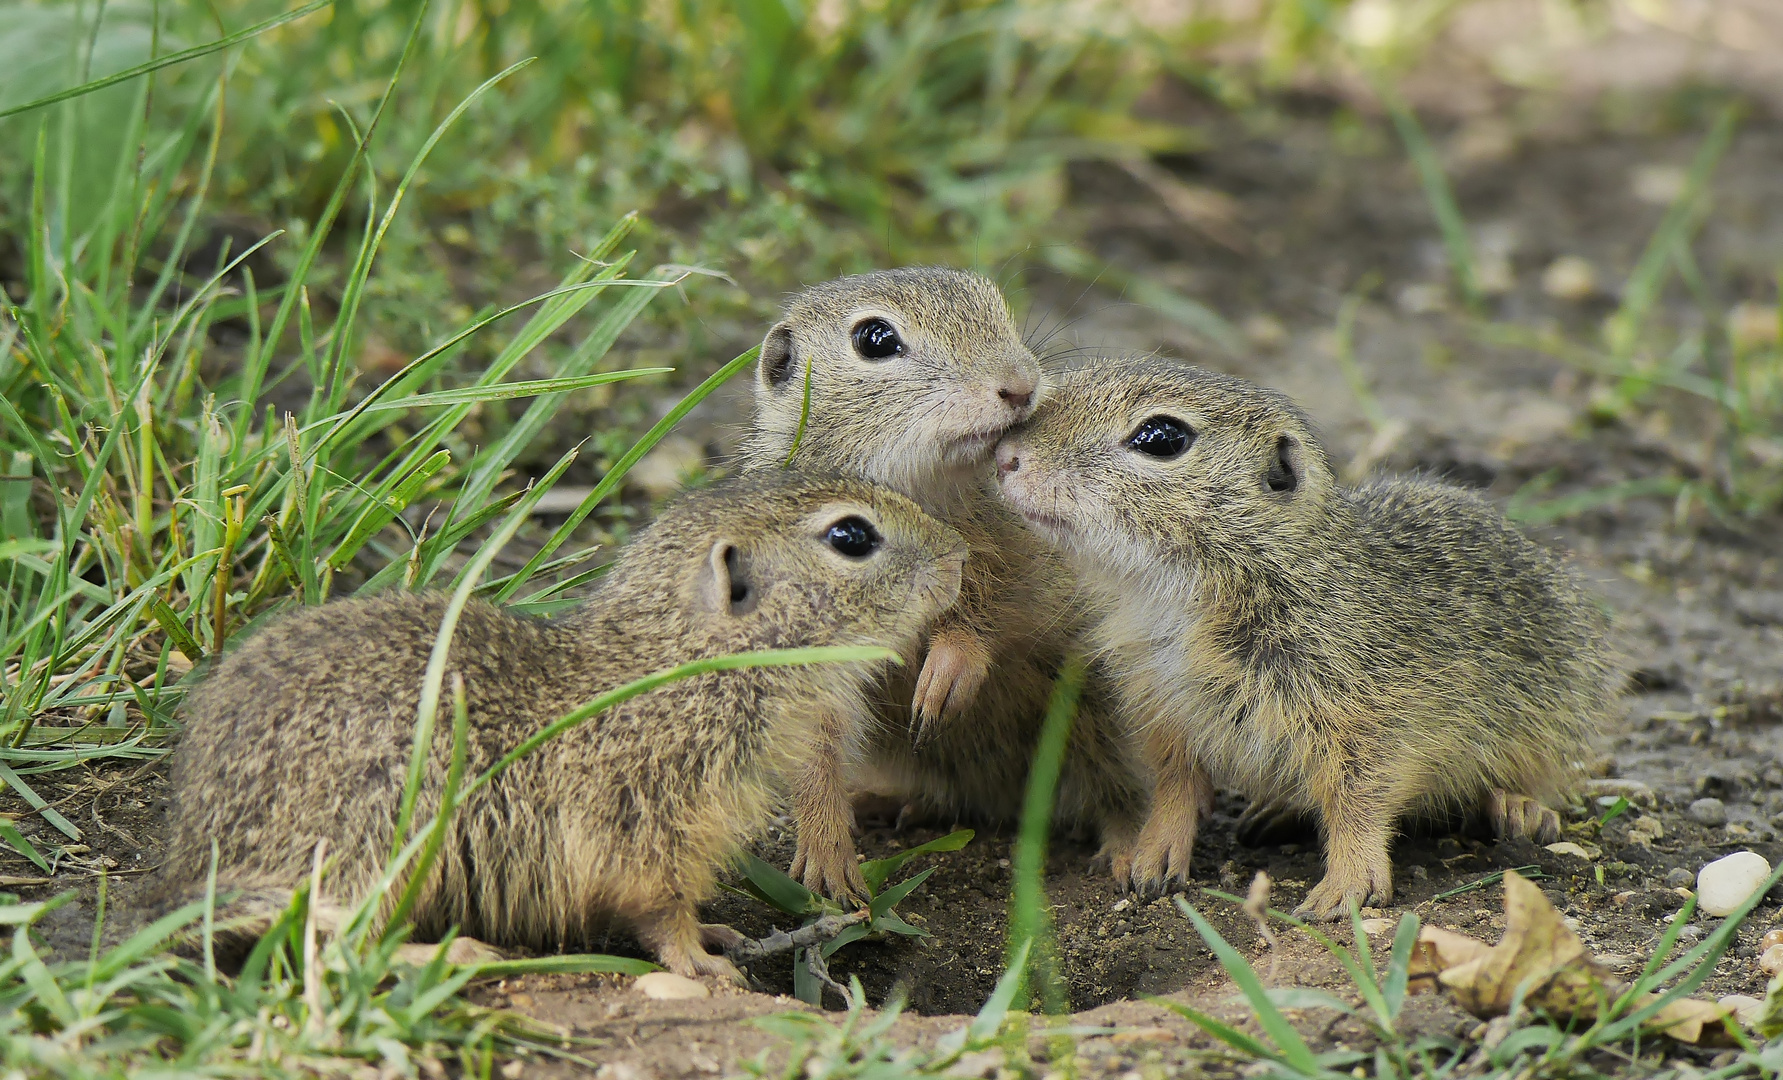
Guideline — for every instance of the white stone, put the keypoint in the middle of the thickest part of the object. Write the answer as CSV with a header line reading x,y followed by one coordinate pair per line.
x,y
1376,927
1567,847
1724,884
1570,278
668,986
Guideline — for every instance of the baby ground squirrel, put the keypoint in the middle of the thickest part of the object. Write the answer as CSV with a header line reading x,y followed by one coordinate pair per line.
x,y
1360,654
914,374
304,733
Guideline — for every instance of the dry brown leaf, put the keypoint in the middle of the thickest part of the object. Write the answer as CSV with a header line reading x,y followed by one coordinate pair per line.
x,y
1541,953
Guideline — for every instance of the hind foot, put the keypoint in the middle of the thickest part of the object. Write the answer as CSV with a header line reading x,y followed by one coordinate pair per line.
x,y
1362,885
681,940
1116,853
463,951
1519,815
719,936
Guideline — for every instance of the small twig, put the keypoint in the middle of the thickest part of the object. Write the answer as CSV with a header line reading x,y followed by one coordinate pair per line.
x,y
1532,871
820,970
817,932
1256,905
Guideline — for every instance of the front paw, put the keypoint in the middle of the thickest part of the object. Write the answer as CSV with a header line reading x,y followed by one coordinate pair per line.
x,y
828,868
1331,898
1159,863
952,674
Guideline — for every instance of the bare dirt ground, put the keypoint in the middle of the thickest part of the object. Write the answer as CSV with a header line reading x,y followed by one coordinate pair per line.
x,y
1700,608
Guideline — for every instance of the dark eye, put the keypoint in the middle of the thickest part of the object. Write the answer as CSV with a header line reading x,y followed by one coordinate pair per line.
x,y
876,340
852,537
1161,437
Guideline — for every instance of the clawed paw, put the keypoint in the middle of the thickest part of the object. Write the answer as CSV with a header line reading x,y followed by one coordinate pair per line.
x,y
1520,815
694,963
1331,898
952,674
1159,866
829,870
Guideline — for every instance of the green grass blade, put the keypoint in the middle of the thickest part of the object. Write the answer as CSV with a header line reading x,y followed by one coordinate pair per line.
x,y
434,676
771,885
1437,190
1622,330
1294,1050
1029,923
504,391
566,964
169,60
1222,1031
878,871
995,1010
10,833
1196,316
62,824
610,482
829,654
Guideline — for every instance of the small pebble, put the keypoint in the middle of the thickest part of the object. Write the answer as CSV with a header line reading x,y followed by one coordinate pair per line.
x,y
1645,830
1376,927
668,986
1752,326
1771,937
1679,878
1567,847
1708,812
1772,960
1725,884
1570,278
1265,332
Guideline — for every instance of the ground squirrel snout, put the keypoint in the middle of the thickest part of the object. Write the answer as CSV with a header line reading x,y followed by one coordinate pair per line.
x,y
914,374
1358,654
303,733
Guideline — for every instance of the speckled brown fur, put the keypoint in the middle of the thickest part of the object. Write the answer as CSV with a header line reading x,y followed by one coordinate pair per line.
x,y
303,733
1358,653
957,737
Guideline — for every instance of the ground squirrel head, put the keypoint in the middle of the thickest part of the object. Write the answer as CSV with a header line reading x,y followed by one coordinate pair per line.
x,y
778,559
915,374
1138,460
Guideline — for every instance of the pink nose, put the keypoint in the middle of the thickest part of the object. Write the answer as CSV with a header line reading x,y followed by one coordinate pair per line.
x,y
1016,397
1008,459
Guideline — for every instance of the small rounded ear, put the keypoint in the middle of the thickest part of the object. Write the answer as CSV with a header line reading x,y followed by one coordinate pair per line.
x,y
1287,465
728,586
777,361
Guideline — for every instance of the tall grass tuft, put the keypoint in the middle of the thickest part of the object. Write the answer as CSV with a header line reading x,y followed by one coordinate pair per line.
x,y
187,453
